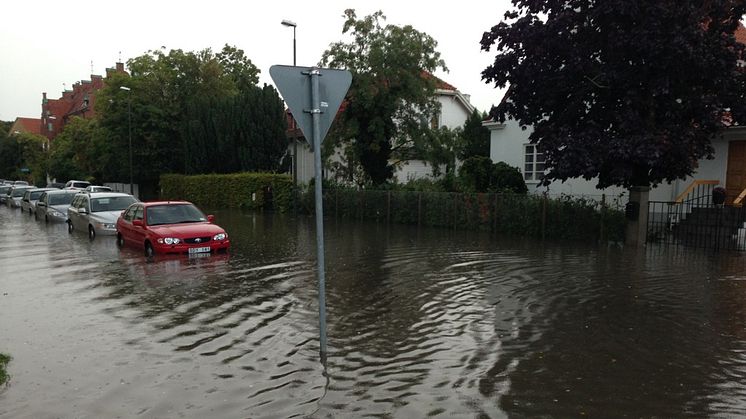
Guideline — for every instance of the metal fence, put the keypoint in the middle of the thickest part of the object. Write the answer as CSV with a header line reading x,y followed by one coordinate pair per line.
x,y
697,223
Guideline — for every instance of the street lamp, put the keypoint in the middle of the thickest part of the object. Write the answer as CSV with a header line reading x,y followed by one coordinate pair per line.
x,y
129,129
292,24
294,162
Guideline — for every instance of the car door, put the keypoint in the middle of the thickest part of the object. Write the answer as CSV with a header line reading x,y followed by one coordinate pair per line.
x,y
41,206
72,212
127,229
138,233
82,211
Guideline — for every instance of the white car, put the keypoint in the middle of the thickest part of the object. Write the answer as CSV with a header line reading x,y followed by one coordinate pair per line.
x,y
97,212
77,184
13,199
28,202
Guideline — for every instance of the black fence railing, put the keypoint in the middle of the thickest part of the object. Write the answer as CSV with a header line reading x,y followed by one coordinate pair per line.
x,y
540,216
697,223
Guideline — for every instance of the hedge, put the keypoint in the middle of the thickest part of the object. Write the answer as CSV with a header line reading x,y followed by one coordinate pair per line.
x,y
236,190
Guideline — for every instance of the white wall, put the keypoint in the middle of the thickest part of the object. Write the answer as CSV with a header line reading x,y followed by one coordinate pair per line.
x,y
507,143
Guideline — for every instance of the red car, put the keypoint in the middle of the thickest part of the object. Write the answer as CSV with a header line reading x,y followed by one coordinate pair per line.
x,y
170,227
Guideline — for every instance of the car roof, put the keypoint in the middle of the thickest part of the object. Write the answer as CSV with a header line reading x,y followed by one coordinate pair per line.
x,y
154,203
105,194
62,191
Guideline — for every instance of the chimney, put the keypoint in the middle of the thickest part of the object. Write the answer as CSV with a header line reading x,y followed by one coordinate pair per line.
x,y
120,67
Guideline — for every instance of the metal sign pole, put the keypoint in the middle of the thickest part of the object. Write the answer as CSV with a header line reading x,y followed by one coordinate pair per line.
x,y
293,84
316,114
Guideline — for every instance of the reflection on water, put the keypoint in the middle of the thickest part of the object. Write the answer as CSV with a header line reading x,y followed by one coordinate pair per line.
x,y
421,322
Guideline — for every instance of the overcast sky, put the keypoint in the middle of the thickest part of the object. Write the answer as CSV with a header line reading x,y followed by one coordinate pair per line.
x,y
44,44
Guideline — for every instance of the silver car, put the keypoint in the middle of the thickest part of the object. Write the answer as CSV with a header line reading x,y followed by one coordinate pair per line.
x,y
52,205
98,188
30,197
4,189
13,200
97,212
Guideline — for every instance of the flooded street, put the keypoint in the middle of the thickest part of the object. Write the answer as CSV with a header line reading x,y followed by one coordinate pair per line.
x,y
428,322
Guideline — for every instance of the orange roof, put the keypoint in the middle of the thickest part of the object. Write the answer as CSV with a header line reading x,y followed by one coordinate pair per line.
x,y
439,84
30,125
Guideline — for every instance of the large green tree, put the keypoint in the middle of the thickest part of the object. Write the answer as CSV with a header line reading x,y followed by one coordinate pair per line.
x,y
190,112
392,97
629,91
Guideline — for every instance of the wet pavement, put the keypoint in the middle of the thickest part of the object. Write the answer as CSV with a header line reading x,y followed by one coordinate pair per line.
x,y
422,322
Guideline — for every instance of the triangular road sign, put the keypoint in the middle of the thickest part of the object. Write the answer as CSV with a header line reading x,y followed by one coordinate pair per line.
x,y
294,83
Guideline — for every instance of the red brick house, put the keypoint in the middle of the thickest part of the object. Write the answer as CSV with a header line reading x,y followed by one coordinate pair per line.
x,y
80,101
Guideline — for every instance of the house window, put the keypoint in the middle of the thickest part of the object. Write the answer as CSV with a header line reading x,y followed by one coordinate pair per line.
x,y
533,168
49,127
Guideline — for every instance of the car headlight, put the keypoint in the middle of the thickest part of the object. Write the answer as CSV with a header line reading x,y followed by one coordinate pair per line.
x,y
220,236
56,213
169,240
106,226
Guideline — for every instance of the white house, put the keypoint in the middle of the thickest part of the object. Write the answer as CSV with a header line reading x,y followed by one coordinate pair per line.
x,y
455,108
509,144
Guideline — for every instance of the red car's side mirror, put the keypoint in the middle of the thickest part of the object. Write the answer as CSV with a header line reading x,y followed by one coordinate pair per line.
x,y
137,223
210,218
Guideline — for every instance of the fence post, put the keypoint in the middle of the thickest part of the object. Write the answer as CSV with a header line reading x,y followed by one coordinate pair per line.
x,y
419,208
388,207
603,217
544,216
361,206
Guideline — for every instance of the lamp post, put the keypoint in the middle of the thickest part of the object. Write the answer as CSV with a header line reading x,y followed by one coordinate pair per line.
x,y
294,163
129,131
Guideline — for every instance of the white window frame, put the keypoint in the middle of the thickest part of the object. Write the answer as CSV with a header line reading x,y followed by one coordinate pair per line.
x,y
533,164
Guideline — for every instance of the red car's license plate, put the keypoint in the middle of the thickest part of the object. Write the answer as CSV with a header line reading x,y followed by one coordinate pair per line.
x,y
199,249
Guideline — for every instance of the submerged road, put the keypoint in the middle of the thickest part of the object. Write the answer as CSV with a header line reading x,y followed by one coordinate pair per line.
x,y
421,322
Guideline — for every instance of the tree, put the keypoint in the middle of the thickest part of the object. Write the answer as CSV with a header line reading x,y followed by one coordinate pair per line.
x,y
191,112
22,157
474,139
629,91
81,151
479,174
392,97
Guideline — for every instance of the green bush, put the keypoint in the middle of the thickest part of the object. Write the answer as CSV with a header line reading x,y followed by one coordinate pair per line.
x,y
479,174
237,190
4,360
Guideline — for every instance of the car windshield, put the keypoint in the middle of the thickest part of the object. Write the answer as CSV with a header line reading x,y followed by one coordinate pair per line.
x,y
4,190
174,214
113,203
80,185
17,193
61,198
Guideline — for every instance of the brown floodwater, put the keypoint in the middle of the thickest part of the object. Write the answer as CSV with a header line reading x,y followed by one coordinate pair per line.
x,y
422,322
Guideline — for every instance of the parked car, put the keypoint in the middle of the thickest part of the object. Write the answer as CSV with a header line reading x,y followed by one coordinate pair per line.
x,y
20,182
77,184
30,197
13,200
4,189
170,227
52,205
97,188
97,212
56,185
